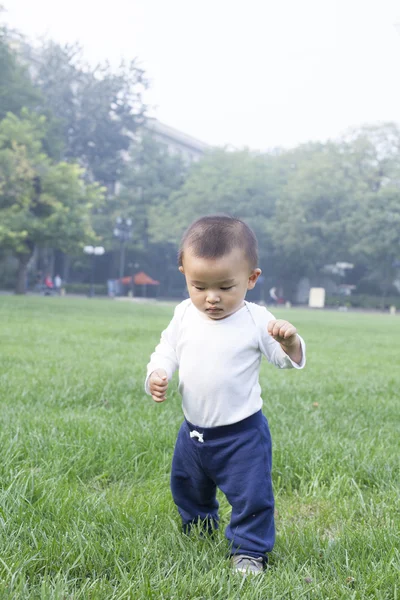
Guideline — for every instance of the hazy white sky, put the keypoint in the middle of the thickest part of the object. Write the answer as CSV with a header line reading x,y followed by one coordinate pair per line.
x,y
257,73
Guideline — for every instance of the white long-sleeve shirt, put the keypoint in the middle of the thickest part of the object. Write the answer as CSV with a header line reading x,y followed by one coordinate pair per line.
x,y
218,361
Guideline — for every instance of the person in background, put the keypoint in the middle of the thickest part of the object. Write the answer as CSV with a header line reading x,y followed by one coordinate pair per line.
x,y
57,284
111,291
48,285
273,296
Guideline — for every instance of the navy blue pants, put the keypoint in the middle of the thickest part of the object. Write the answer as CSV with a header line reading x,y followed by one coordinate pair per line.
x,y
237,459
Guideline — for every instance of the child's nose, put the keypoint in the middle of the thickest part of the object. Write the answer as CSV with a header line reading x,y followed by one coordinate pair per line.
x,y
212,297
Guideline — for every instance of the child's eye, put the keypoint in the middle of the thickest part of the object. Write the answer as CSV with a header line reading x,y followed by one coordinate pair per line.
x,y
199,288
226,289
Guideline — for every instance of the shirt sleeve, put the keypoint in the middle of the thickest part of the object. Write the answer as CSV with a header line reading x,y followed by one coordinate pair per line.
x,y
273,351
164,356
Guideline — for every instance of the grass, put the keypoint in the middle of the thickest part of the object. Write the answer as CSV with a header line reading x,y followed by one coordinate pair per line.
x,y
85,506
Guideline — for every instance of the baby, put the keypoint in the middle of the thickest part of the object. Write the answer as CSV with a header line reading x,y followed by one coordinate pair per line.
x,y
217,340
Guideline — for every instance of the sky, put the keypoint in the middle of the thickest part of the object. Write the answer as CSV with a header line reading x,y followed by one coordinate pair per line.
x,y
241,73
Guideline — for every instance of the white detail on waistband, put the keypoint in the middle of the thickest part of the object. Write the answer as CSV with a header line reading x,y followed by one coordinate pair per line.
x,y
196,434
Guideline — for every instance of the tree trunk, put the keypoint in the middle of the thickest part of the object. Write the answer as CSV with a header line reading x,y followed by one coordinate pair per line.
x,y
23,260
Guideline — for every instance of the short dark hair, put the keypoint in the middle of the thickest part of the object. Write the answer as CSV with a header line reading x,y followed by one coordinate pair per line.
x,y
214,236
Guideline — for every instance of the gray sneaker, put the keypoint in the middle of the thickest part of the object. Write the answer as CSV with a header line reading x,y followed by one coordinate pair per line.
x,y
248,565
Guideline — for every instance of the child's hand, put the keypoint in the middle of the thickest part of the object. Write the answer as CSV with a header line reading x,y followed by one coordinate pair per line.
x,y
283,332
158,383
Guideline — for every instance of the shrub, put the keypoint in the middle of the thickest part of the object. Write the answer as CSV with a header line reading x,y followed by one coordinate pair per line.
x,y
100,289
364,301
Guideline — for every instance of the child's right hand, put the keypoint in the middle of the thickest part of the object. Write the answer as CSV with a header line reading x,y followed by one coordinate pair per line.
x,y
158,383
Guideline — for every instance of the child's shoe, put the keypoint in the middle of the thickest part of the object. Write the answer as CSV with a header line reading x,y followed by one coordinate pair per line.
x,y
247,565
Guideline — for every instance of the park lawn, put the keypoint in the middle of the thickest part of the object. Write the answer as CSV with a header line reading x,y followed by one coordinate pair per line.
x,y
85,506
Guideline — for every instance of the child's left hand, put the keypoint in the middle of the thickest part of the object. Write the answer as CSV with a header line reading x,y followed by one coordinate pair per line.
x,y
283,332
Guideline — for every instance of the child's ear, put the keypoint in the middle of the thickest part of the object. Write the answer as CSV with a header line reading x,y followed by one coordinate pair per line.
x,y
181,269
254,275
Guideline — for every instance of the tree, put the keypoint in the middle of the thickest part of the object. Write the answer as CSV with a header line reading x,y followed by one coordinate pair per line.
x,y
237,183
242,184
149,178
377,235
375,154
41,204
332,192
97,110
16,89
308,229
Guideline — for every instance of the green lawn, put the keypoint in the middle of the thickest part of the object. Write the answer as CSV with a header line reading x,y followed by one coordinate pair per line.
x,y
85,506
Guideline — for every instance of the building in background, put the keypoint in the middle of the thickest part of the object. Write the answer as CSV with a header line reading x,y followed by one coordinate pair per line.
x,y
177,142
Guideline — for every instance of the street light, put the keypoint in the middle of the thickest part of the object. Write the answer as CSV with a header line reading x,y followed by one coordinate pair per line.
x,y
123,232
133,268
93,251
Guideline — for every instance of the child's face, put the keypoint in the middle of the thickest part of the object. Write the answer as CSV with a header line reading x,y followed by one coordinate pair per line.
x,y
218,286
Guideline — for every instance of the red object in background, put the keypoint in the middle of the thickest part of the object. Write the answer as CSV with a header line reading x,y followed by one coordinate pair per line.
x,y
48,282
140,278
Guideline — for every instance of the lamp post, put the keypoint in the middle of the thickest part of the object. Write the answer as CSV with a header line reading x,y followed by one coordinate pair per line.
x,y
93,251
133,267
123,232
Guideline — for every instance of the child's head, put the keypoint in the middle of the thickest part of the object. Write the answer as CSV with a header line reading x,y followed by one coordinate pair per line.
x,y
216,235
218,256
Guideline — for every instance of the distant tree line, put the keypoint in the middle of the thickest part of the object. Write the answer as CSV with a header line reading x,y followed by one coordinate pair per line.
x,y
74,157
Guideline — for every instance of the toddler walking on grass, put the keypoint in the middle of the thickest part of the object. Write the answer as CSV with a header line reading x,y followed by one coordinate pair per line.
x,y
216,339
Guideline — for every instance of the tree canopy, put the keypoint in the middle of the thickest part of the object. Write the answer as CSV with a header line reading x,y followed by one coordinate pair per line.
x,y
41,203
